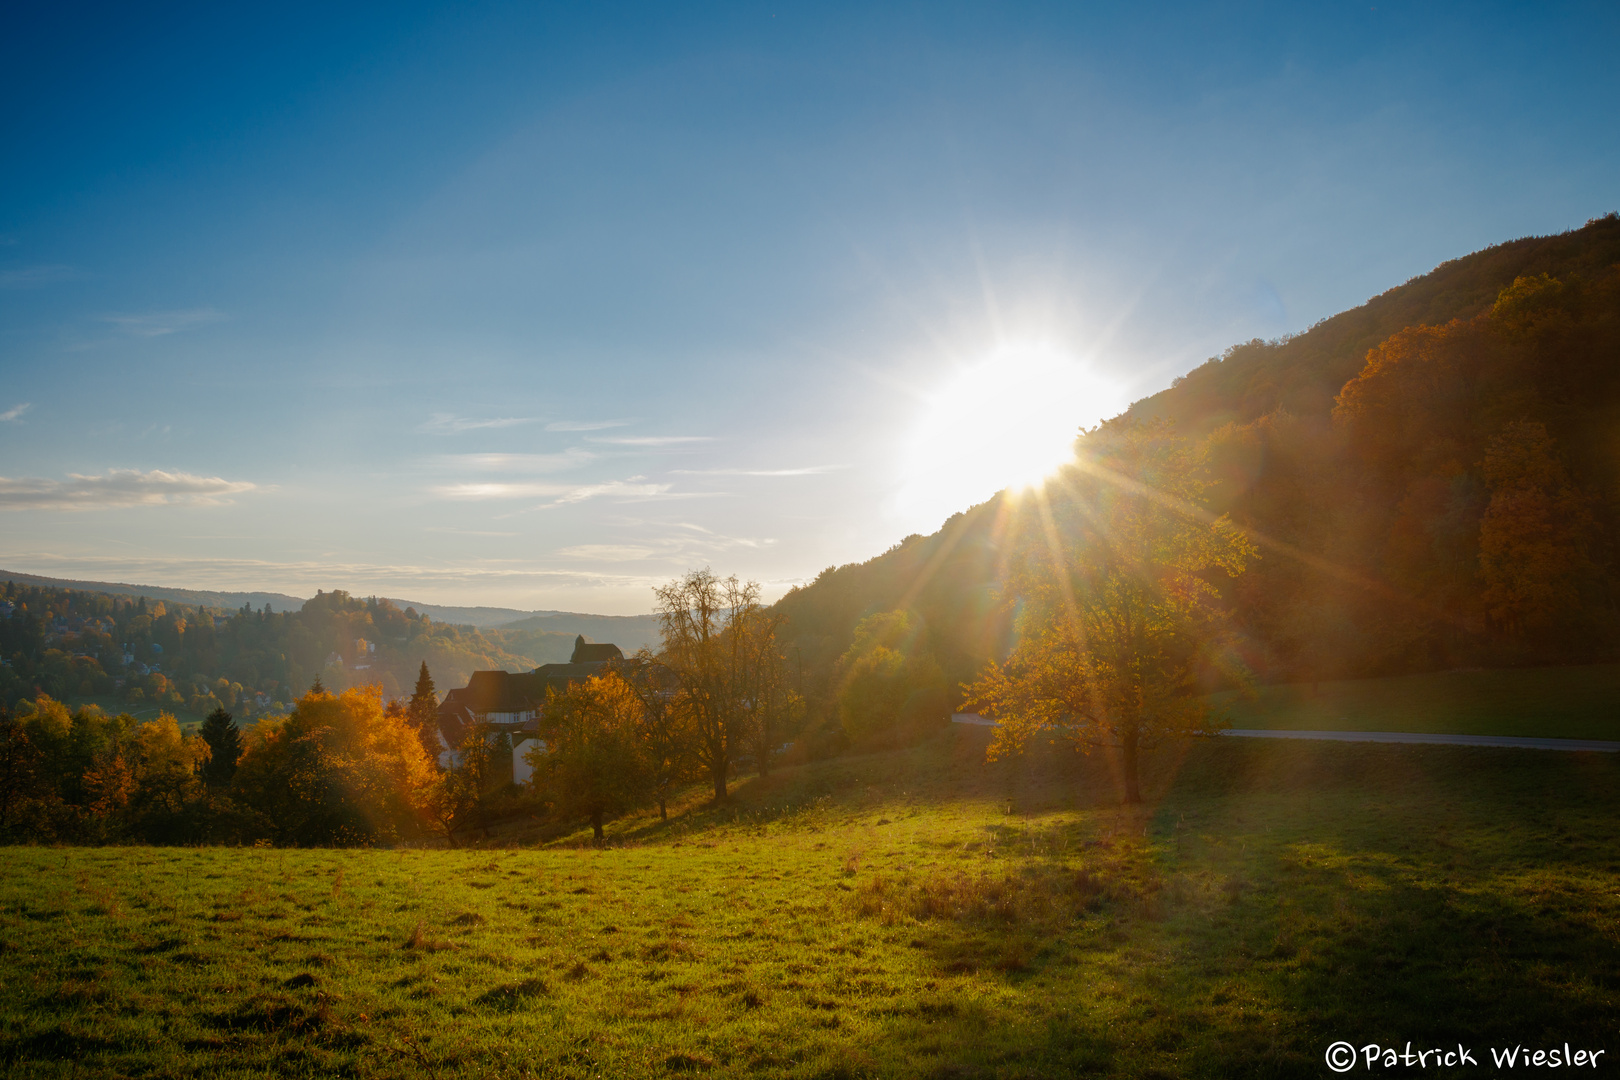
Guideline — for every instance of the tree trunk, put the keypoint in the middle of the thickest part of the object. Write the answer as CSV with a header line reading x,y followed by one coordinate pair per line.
x,y
596,824
1131,754
663,813
719,771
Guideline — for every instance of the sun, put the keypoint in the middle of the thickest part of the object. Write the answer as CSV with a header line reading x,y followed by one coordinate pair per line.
x,y
1008,421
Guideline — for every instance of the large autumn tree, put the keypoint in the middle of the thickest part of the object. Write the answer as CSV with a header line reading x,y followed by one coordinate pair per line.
x,y
716,634
590,762
339,769
1119,602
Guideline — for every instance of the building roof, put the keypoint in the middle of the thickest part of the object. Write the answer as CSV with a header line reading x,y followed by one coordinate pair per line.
x,y
585,653
518,692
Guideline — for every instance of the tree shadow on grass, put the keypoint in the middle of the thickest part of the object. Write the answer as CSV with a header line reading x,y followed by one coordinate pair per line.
x,y
1304,894
1385,894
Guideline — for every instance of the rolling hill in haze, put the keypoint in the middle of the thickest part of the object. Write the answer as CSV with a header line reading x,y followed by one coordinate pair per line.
x,y
226,601
629,632
1432,478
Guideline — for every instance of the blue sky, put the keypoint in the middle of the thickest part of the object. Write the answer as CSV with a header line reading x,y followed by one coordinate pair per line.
x,y
538,305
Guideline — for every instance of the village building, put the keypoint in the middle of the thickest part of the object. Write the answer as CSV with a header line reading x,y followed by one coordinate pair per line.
x,y
510,703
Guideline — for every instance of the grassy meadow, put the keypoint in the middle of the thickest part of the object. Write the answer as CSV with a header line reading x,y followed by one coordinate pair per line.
x,y
917,913
112,705
1577,702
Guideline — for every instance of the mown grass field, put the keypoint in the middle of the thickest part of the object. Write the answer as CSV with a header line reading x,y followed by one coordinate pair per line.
x,y
907,914
1559,702
113,705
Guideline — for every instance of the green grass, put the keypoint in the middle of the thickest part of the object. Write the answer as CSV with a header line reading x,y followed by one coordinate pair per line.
x,y
907,914
1559,702
113,705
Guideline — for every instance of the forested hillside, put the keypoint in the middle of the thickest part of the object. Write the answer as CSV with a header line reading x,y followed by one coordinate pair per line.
x,y
208,598
1432,479
947,581
68,644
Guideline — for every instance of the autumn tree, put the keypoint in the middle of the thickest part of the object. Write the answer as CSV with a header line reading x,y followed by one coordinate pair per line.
x,y
458,800
338,769
711,641
19,766
773,706
1119,606
590,764
165,764
664,732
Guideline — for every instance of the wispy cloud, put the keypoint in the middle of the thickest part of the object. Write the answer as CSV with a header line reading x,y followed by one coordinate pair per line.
x,y
28,277
809,470
585,425
451,424
118,488
636,486
15,412
631,489
719,541
464,532
613,552
571,458
652,440
484,490
695,542
160,323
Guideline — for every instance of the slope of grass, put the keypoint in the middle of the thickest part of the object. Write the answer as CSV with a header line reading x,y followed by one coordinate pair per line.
x,y
1558,702
908,914
113,705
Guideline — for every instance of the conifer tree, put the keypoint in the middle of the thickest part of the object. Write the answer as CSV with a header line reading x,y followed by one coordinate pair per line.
x,y
424,712
317,687
224,741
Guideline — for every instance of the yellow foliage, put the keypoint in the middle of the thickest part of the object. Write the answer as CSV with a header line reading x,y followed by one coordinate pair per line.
x,y
338,768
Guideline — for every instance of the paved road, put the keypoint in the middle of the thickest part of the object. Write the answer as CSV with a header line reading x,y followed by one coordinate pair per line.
x,y
1511,741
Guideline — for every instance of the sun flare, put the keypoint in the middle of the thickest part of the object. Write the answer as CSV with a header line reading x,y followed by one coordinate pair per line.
x,y
1008,421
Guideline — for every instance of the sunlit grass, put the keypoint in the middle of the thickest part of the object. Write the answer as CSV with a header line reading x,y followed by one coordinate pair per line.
x,y
903,914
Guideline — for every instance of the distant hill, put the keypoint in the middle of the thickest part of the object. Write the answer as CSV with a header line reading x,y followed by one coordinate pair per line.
x,y
540,634
481,617
629,632
228,601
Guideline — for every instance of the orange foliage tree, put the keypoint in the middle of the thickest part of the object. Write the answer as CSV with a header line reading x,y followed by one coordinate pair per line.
x,y
1118,605
340,769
